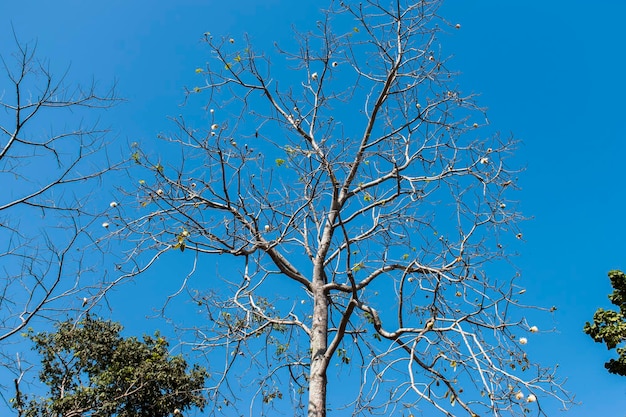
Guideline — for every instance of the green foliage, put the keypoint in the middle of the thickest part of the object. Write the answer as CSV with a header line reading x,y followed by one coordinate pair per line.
x,y
91,370
343,355
609,326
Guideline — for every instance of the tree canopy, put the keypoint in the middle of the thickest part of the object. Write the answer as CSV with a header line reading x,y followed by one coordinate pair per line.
x,y
609,326
91,370
54,155
358,213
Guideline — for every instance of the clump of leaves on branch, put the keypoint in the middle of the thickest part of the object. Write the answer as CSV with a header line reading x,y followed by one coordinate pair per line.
x,y
609,326
91,370
359,213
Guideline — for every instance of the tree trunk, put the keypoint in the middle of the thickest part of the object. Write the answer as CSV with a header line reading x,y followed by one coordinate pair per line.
x,y
319,341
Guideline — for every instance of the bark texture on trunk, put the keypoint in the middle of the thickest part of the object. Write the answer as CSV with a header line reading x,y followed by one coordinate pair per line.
x,y
319,344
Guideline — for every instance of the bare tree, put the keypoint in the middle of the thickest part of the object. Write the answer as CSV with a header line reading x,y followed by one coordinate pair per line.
x,y
359,219
52,158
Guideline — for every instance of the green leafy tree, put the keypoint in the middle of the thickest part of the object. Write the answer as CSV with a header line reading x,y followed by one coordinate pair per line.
x,y
609,326
91,370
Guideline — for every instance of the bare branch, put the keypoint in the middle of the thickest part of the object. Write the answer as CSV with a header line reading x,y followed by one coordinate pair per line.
x,y
358,213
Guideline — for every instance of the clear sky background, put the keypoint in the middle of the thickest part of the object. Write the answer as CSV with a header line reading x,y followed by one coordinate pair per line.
x,y
550,72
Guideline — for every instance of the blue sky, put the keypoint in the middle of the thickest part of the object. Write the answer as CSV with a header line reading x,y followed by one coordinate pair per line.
x,y
550,74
